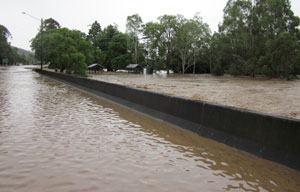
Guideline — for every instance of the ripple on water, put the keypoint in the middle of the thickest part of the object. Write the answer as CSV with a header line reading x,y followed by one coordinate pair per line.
x,y
56,138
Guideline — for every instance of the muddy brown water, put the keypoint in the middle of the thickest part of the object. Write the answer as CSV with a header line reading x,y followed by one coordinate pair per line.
x,y
272,96
56,138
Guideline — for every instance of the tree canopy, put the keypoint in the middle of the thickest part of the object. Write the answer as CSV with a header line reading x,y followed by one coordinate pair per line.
x,y
133,29
51,24
93,34
249,35
256,37
12,54
5,49
63,48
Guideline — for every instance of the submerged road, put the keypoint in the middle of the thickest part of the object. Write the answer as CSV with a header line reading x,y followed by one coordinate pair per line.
x,y
54,137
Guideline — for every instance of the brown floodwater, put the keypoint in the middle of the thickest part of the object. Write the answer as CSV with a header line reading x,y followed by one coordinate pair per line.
x,y
272,96
54,137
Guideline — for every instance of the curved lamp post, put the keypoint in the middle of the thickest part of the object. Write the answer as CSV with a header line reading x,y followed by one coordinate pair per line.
x,y
42,30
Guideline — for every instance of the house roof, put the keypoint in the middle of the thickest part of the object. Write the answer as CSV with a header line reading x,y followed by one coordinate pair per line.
x,y
95,65
132,66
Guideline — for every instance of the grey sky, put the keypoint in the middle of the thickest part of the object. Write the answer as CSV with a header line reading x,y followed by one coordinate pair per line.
x,y
77,14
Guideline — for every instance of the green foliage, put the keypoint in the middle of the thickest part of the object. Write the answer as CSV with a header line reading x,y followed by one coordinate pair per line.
x,y
121,61
93,35
4,33
177,43
254,39
282,56
133,29
39,42
153,44
5,49
191,40
117,52
66,49
94,31
9,52
103,41
51,24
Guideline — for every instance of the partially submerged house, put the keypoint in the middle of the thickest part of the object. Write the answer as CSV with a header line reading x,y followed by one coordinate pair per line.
x,y
134,68
95,67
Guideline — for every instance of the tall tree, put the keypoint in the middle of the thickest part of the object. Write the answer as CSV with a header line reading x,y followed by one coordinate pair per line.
x,y
106,35
93,36
118,52
173,39
133,29
247,30
4,33
66,49
282,57
5,49
276,16
169,27
236,28
153,43
191,36
103,41
51,24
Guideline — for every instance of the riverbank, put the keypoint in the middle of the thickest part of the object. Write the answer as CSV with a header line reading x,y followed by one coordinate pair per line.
x,y
271,96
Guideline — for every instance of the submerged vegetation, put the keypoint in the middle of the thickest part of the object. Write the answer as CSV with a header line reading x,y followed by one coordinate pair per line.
x,y
258,37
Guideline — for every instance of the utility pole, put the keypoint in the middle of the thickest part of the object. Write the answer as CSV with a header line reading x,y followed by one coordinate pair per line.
x,y
42,34
42,47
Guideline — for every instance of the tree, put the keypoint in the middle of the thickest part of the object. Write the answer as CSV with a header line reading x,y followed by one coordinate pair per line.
x,y
237,32
13,54
66,49
177,42
4,33
106,35
191,36
51,24
153,44
276,16
282,56
133,29
103,41
5,49
118,52
39,41
168,28
245,30
38,44
93,36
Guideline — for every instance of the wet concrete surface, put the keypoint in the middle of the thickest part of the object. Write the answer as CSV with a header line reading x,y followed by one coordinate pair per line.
x,y
272,96
54,137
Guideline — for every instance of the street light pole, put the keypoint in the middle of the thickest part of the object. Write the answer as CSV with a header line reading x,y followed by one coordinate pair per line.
x,y
42,47
93,42
42,31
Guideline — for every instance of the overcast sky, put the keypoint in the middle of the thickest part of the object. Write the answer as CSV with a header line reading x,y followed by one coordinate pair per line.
x,y
78,14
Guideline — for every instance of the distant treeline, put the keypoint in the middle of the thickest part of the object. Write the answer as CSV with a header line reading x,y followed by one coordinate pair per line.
x,y
14,55
259,37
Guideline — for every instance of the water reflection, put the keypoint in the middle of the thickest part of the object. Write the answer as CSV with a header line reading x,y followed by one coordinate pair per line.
x,y
56,138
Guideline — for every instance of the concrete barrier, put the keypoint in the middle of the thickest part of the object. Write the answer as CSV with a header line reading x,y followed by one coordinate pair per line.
x,y
270,137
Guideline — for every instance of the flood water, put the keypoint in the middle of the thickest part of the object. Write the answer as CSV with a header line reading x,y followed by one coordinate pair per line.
x,y
56,138
272,96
